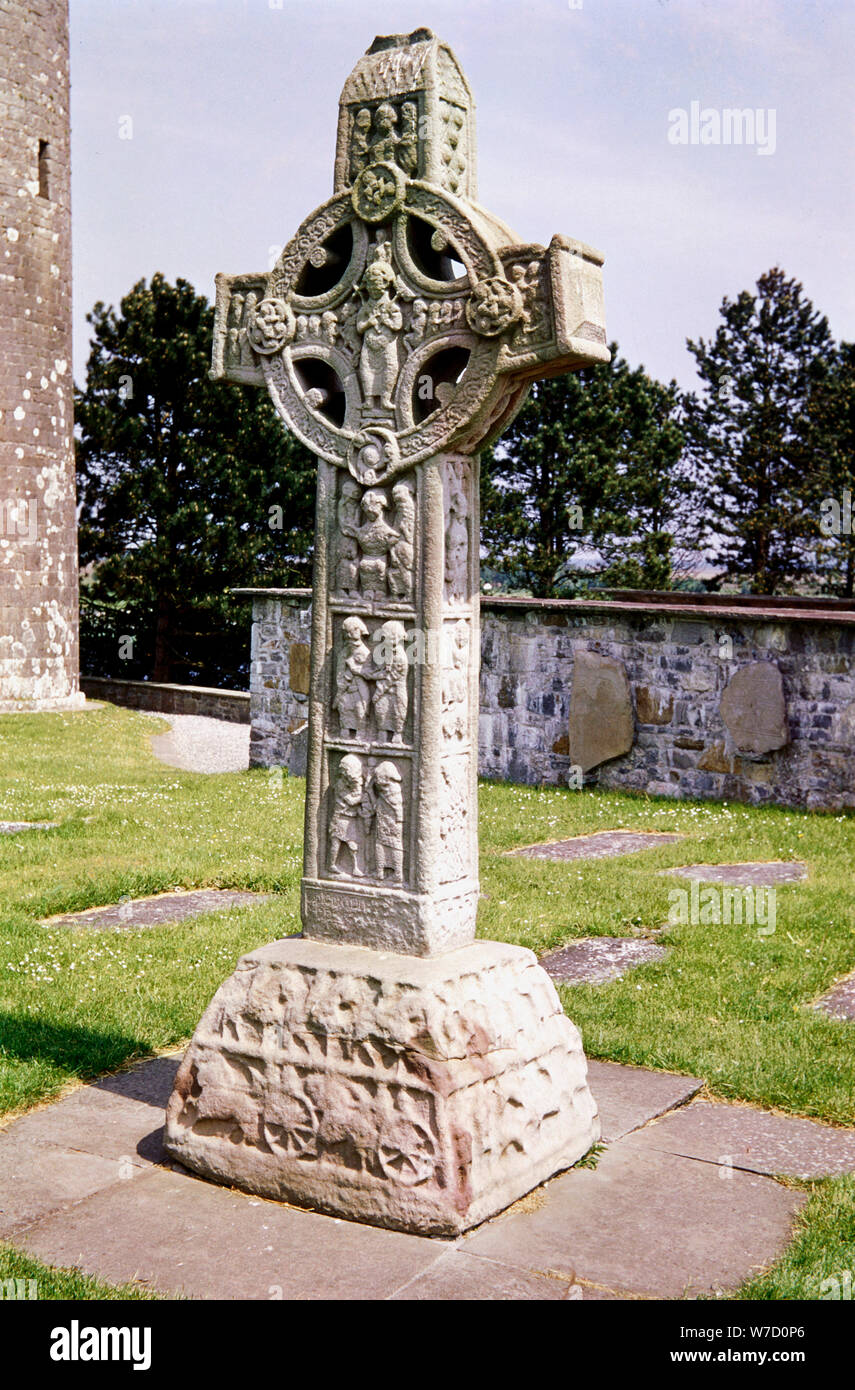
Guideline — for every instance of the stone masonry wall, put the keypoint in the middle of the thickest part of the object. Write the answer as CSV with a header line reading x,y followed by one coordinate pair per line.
x,y
38,531
279,677
677,666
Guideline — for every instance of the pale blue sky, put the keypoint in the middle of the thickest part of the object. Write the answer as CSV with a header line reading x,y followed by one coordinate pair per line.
x,y
234,112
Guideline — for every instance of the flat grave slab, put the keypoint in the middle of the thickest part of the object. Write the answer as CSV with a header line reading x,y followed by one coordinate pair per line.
x,y
604,844
647,1223
595,960
161,910
757,875
750,1140
628,1097
839,1002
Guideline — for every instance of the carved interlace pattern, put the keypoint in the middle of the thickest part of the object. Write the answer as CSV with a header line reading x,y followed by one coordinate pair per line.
x,y
270,326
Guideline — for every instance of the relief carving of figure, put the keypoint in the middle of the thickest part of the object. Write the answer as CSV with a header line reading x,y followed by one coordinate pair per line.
x,y
455,682
347,547
456,534
352,691
453,828
376,538
384,146
390,687
360,141
402,554
408,150
378,322
346,821
385,803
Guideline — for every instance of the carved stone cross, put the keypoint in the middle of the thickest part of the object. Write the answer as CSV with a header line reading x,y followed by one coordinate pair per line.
x,y
397,335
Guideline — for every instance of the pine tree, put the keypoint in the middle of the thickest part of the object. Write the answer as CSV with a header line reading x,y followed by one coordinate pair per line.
x,y
591,464
179,482
748,431
832,437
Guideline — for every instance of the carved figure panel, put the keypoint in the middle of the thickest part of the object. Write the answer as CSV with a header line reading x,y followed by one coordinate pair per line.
x,y
375,541
455,681
366,823
371,694
386,132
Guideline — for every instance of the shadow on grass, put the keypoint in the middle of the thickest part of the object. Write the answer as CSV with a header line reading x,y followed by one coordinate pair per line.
x,y
78,1051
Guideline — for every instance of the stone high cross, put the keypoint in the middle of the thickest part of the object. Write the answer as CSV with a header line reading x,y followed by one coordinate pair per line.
x,y
397,335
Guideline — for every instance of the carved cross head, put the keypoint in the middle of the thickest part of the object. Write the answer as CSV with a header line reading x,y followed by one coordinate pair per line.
x,y
403,320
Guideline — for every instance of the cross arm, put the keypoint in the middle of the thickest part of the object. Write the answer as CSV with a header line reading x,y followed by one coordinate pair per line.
x,y
233,358
562,323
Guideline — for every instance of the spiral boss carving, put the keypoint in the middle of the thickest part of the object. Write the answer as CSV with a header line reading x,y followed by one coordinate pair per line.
x,y
397,335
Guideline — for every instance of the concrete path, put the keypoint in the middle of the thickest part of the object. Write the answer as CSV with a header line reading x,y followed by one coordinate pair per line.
x,y
198,744
679,1204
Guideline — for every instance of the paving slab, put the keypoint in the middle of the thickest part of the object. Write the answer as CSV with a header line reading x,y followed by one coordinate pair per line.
x,y
839,1002
604,844
649,1224
150,1082
184,1236
458,1277
91,1120
756,875
595,960
755,1141
14,827
39,1180
628,1097
161,910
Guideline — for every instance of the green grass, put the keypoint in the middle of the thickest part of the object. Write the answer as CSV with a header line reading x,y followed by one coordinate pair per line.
x,y
728,1004
819,1263
37,1280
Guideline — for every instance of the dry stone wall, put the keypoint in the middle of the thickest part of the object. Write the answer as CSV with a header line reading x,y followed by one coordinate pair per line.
x,y
737,703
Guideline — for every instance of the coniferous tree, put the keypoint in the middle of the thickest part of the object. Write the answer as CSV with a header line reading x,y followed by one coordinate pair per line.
x,y
187,488
749,435
591,465
832,438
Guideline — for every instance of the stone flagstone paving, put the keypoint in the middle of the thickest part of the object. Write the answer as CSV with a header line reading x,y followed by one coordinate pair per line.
x,y
158,911
595,960
84,1182
604,844
839,1002
759,875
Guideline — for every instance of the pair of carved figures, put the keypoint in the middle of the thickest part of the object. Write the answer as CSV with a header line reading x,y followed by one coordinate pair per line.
x,y
375,556
368,809
363,685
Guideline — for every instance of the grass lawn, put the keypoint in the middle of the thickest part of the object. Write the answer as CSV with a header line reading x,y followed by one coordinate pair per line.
x,y
729,1003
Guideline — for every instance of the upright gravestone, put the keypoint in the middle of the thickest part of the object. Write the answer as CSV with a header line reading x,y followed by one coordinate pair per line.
x,y
386,1066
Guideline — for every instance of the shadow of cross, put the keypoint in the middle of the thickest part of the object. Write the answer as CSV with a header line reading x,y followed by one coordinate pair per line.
x,y
397,335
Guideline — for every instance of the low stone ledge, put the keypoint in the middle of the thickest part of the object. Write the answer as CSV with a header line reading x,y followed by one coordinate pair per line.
x,y
231,705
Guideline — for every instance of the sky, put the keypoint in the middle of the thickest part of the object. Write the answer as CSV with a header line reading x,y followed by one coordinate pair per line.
x,y
203,133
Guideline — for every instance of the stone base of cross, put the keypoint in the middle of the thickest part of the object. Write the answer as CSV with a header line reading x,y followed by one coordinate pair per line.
x,y
386,1066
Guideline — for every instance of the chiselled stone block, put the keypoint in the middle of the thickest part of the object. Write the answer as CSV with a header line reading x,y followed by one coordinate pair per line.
x,y
754,709
601,720
424,1095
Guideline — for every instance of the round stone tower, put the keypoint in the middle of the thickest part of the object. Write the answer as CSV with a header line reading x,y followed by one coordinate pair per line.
x,y
38,532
